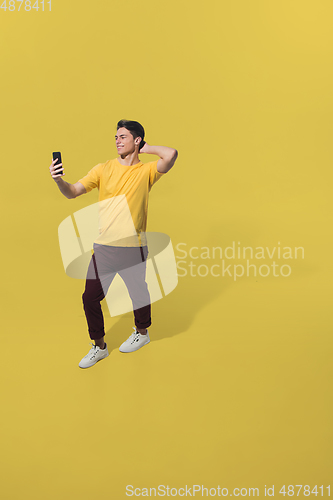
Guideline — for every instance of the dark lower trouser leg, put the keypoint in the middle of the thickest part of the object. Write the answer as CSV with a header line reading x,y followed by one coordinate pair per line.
x,y
135,281
92,297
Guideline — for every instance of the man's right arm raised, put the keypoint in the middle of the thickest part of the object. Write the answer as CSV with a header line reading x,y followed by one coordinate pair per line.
x,y
68,190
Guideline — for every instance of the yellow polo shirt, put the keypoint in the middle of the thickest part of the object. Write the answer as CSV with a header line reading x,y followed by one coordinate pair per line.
x,y
123,200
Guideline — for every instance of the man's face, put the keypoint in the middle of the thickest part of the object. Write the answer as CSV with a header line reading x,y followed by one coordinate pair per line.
x,y
124,141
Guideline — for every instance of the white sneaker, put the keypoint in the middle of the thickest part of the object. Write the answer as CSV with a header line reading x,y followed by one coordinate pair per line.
x,y
95,354
134,342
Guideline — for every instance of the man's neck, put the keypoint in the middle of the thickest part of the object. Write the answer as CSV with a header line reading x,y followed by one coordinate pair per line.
x,y
129,160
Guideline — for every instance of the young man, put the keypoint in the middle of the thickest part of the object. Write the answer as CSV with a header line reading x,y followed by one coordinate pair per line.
x,y
124,184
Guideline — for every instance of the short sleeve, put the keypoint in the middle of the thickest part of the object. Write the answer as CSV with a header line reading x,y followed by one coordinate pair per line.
x,y
91,180
154,175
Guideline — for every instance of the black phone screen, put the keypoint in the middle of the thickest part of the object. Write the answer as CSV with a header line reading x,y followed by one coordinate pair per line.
x,y
57,155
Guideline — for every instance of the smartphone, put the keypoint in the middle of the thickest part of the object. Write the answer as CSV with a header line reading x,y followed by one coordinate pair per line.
x,y
57,155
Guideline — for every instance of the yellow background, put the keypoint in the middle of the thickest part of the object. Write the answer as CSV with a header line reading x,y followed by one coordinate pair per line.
x,y
235,388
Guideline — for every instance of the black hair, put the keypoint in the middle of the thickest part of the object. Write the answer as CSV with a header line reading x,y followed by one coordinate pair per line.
x,y
135,128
